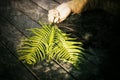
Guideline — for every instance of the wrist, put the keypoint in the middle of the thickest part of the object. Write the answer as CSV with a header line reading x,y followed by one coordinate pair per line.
x,y
63,6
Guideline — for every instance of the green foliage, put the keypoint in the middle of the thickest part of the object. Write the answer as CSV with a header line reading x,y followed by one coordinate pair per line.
x,y
49,42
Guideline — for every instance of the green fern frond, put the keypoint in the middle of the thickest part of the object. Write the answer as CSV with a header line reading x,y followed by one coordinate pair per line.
x,y
49,42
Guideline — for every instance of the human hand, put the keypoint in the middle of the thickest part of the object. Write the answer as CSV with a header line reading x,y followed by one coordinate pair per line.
x,y
59,14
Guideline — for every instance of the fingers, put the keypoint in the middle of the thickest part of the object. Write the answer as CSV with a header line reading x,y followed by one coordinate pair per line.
x,y
53,16
59,14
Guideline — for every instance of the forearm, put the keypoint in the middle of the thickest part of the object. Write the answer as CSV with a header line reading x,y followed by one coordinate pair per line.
x,y
78,6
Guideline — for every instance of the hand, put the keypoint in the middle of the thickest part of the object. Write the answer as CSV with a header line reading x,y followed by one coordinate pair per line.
x,y
59,14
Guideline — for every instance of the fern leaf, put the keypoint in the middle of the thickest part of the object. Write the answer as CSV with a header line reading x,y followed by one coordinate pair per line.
x,y
49,42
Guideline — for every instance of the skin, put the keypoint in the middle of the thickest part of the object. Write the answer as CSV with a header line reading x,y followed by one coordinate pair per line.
x,y
61,12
